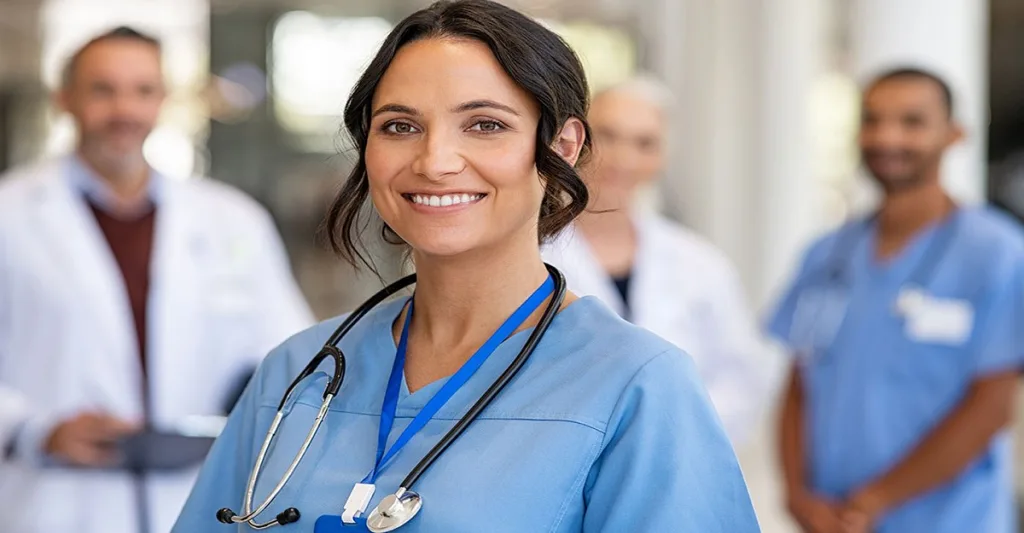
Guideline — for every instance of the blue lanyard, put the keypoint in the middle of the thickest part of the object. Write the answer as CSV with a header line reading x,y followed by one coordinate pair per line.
x,y
387,416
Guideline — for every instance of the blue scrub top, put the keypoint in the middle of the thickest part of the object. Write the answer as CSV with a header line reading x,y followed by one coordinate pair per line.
x,y
606,429
877,382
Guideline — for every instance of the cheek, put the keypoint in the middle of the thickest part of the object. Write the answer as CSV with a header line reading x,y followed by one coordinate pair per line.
x,y
93,116
508,166
152,111
381,167
650,163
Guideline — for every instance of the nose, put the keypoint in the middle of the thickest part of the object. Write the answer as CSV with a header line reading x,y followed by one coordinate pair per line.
x,y
616,158
439,157
126,104
883,134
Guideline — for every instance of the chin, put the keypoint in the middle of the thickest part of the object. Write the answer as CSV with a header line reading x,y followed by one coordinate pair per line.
x,y
445,244
123,158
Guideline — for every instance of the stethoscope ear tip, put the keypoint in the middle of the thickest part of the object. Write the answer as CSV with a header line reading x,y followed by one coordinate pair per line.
x,y
288,516
225,516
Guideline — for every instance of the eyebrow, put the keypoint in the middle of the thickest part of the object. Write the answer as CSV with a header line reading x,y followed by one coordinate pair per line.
x,y
461,108
395,108
484,104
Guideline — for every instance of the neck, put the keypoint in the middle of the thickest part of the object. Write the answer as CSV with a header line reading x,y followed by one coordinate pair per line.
x,y
465,299
598,222
127,181
612,240
904,213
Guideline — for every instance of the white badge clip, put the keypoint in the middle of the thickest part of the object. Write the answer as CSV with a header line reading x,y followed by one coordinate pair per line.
x,y
910,301
358,501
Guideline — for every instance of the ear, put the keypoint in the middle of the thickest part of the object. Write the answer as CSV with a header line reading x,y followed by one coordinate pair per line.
x,y
957,133
62,100
569,141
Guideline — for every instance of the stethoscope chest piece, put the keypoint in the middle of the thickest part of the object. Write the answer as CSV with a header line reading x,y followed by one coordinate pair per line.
x,y
394,511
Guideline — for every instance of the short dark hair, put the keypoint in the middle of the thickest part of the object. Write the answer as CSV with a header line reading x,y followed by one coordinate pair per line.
x,y
537,59
914,73
125,33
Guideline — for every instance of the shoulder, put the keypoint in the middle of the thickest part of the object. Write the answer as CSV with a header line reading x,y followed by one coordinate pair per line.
x,y
832,244
991,244
288,359
598,358
591,327
693,249
224,214
21,184
992,232
219,198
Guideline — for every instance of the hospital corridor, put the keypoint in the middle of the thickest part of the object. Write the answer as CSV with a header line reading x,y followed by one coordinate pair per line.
x,y
577,266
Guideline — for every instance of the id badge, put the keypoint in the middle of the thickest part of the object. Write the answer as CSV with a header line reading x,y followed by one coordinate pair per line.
x,y
333,524
941,321
816,321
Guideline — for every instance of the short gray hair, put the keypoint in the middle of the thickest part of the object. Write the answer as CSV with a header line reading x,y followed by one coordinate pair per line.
x,y
645,87
124,33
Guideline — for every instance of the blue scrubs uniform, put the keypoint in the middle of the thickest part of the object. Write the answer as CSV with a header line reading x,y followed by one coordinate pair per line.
x,y
606,429
877,380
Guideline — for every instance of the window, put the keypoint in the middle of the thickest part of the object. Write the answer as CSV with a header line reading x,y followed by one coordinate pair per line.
x,y
315,62
608,53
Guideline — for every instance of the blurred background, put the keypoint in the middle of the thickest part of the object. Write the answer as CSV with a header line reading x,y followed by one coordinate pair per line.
x,y
762,153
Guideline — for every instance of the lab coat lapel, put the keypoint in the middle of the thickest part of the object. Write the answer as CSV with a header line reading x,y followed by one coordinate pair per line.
x,y
109,358
583,272
649,279
174,314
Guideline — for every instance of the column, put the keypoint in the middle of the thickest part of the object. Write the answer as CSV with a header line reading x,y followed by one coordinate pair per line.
x,y
704,52
741,150
949,37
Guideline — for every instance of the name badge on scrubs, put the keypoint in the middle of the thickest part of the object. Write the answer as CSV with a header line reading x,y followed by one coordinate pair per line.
x,y
937,320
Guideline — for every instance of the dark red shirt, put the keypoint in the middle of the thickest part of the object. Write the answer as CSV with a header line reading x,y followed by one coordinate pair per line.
x,y
131,242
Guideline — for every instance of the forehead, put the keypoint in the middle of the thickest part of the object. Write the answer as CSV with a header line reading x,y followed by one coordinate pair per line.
x,y
118,59
446,71
624,110
906,94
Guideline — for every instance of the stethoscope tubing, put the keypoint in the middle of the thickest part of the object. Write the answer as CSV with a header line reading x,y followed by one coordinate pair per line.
x,y
331,349
554,303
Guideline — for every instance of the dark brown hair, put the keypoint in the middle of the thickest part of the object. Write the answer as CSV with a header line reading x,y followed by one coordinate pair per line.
x,y
537,59
913,73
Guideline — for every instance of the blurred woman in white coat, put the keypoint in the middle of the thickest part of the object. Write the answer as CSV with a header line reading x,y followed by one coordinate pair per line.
x,y
654,272
128,300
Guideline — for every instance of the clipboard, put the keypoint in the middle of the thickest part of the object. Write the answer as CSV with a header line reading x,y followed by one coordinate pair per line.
x,y
162,451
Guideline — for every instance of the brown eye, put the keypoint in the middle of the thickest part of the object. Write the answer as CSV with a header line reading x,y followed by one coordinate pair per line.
x,y
487,126
399,128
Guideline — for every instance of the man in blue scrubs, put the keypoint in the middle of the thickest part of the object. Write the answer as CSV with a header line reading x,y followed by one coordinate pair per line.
x,y
907,329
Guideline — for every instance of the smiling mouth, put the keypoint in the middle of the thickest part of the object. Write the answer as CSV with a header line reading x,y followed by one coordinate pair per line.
x,y
444,200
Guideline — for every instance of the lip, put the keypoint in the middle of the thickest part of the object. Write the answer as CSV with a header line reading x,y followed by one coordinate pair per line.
x,y
461,205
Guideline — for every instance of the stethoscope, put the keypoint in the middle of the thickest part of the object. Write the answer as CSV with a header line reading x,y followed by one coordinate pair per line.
x,y
837,276
396,509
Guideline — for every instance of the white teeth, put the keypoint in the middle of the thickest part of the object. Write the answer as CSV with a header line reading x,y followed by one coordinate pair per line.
x,y
446,200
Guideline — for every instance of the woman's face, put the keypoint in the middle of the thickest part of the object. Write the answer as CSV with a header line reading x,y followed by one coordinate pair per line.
x,y
450,153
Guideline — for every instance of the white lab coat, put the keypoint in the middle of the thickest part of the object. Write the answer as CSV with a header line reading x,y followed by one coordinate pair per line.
x,y
221,296
686,291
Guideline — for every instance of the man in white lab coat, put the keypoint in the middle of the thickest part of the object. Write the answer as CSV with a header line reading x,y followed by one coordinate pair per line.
x,y
128,300
654,272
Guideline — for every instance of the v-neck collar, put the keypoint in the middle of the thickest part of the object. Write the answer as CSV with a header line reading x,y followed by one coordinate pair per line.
x,y
907,261
502,357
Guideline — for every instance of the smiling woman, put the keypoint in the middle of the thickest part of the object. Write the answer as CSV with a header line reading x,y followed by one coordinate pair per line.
x,y
483,109
515,406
